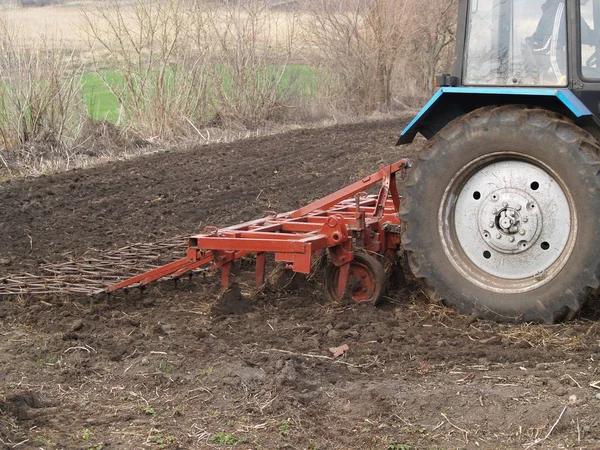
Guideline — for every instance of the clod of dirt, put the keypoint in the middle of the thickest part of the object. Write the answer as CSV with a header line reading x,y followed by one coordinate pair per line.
x,y
200,334
76,325
231,302
252,378
369,337
25,406
116,355
288,374
291,303
333,334
148,302
70,336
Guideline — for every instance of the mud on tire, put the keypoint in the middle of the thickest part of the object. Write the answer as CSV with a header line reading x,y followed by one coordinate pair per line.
x,y
502,215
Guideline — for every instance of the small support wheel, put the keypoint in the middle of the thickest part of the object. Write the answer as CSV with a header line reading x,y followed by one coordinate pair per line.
x,y
366,280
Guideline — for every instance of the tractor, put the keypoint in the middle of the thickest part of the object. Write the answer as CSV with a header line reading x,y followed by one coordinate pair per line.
x,y
501,214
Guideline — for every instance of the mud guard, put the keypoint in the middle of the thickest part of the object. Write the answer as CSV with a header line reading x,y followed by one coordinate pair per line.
x,y
448,103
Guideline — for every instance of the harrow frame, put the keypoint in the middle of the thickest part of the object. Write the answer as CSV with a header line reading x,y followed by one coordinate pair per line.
x,y
343,222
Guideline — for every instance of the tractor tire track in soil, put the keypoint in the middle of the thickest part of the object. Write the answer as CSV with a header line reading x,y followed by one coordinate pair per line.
x,y
185,367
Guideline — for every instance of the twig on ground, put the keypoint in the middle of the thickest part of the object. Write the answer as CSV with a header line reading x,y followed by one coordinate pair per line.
x,y
5,164
465,432
189,311
260,426
197,130
329,358
306,355
539,441
574,381
268,403
437,426
595,384
77,348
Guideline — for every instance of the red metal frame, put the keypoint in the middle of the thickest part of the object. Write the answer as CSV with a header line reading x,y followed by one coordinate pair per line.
x,y
339,222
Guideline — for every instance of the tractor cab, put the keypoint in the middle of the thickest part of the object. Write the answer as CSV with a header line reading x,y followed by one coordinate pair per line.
x,y
546,52
531,43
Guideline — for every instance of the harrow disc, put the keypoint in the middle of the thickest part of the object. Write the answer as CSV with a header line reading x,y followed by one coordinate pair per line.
x,y
366,280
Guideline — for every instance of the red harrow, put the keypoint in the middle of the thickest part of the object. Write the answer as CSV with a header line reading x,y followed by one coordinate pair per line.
x,y
357,229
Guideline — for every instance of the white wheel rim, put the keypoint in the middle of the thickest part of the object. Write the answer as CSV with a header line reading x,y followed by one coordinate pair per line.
x,y
507,225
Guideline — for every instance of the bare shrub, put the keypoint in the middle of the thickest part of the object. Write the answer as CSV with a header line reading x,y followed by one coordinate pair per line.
x,y
431,47
356,44
158,69
41,105
252,46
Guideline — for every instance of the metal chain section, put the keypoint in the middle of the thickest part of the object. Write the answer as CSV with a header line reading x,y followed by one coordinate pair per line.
x,y
88,275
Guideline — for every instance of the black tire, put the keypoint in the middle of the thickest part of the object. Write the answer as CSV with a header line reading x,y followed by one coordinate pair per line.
x,y
375,282
437,188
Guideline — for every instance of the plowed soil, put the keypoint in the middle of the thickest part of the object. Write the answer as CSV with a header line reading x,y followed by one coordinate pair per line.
x,y
187,367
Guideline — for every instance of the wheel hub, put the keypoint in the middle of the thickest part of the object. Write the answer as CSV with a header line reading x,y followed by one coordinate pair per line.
x,y
508,220
512,219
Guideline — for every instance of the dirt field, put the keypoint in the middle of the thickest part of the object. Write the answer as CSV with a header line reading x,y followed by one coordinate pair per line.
x,y
185,368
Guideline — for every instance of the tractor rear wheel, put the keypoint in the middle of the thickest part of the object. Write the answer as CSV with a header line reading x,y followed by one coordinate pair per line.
x,y
502,215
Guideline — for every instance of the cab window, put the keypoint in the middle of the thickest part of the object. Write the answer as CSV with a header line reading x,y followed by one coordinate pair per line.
x,y
590,66
516,43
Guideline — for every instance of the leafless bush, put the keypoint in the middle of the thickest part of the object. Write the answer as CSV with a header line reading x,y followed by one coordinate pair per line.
x,y
356,44
374,54
252,46
41,106
153,47
431,46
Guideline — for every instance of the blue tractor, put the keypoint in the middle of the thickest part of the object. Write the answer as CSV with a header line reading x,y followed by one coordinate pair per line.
x,y
502,212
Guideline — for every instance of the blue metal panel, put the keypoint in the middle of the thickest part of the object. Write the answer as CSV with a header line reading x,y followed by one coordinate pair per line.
x,y
417,120
451,102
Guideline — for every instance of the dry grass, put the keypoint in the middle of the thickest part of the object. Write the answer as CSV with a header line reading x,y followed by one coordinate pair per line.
x,y
60,21
535,335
